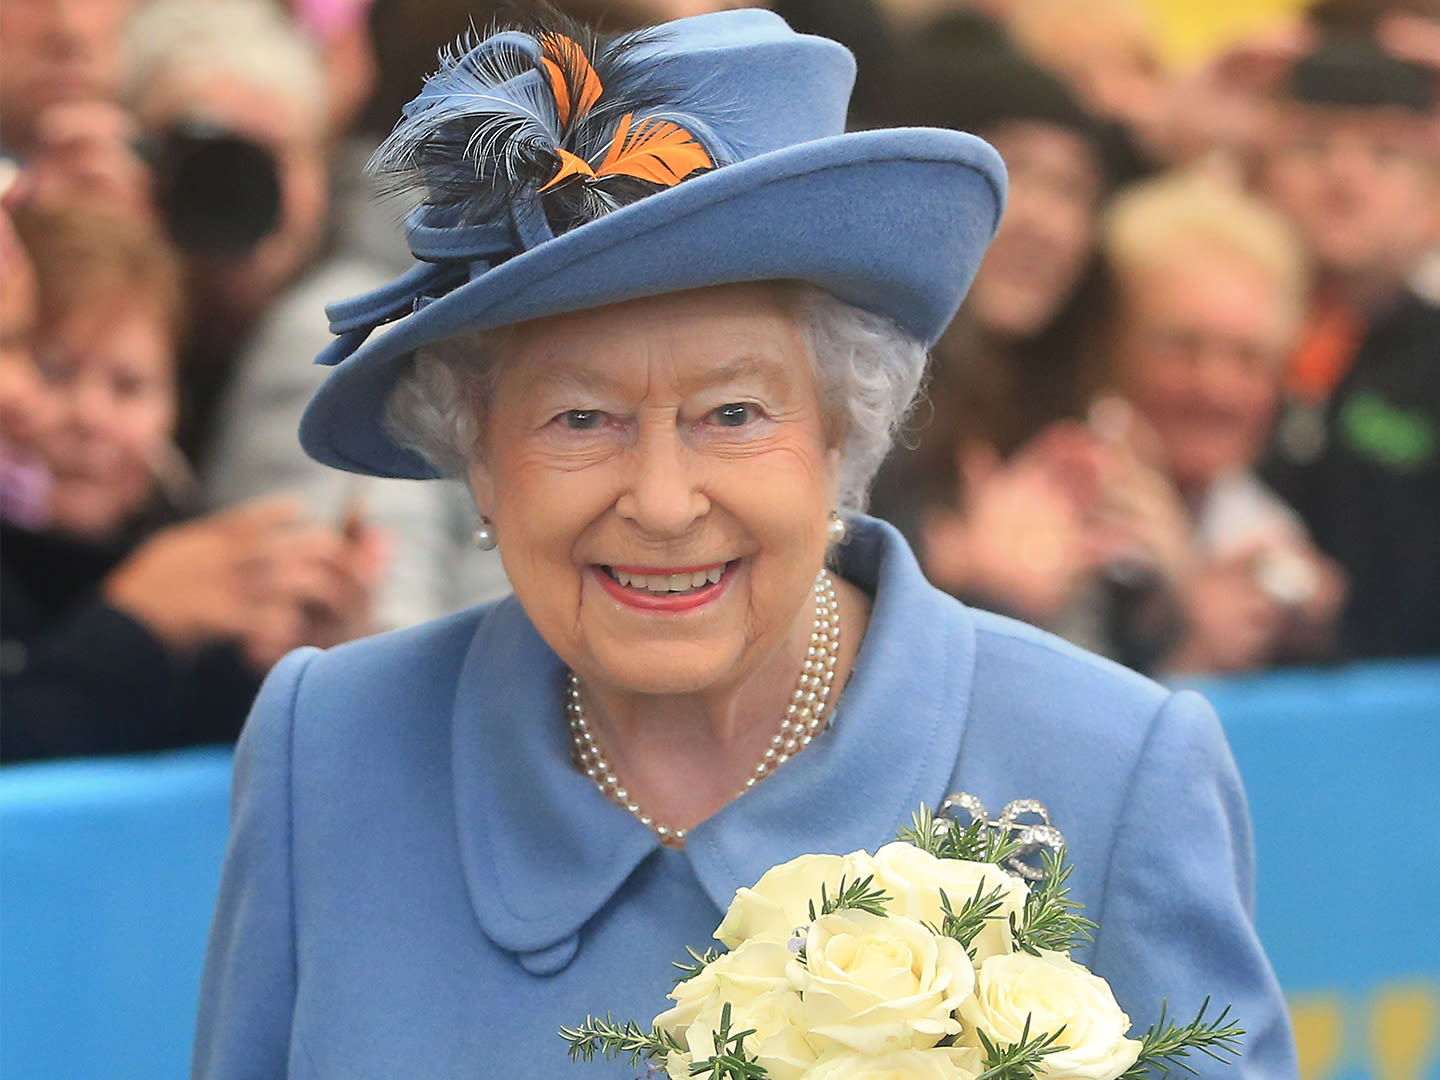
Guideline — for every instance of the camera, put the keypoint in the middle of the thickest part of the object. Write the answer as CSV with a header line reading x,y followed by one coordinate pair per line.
x,y
218,192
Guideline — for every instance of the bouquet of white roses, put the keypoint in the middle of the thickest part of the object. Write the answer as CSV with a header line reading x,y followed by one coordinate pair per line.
x,y
942,956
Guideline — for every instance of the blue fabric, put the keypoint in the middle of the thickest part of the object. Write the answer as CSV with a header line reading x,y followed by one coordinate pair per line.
x,y
419,884
892,221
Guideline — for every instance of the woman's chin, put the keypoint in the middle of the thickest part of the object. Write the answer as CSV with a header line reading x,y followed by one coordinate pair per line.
x,y
685,669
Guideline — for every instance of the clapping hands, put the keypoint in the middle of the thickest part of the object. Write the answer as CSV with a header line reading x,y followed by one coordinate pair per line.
x,y
259,575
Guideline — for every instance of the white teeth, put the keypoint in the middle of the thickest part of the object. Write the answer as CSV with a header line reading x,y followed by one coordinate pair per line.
x,y
670,583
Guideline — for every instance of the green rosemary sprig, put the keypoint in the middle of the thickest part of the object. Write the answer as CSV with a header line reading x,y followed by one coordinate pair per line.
x,y
1165,1044
1018,1061
857,896
612,1040
965,925
1051,920
729,1062
698,963
946,838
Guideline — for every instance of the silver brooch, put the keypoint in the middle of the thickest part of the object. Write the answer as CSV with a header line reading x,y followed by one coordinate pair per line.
x,y
1029,835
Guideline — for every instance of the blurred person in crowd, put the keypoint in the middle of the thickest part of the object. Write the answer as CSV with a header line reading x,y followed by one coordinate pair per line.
x,y
126,628
998,492
25,406
1354,162
1108,51
619,15
434,568
57,52
1213,286
911,17
340,33
58,102
232,102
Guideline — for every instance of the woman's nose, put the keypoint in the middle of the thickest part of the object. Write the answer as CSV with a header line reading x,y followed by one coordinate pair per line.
x,y
662,495
91,406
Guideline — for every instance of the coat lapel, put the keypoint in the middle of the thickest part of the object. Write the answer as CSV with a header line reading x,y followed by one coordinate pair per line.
x,y
543,849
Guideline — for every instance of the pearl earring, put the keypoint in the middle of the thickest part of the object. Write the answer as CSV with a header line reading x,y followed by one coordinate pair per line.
x,y
484,536
835,528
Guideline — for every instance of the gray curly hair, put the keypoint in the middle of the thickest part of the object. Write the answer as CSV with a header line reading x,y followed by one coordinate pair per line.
x,y
869,371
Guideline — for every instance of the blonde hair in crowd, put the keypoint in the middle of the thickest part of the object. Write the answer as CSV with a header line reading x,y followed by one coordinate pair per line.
x,y
1153,221
250,40
1053,31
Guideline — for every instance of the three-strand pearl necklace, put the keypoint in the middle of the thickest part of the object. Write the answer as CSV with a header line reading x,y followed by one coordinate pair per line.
x,y
804,716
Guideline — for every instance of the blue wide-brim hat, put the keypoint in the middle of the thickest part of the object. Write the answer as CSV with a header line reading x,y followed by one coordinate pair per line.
x,y
561,172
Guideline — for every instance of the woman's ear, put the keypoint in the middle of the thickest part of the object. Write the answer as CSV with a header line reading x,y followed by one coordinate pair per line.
x,y
832,474
482,486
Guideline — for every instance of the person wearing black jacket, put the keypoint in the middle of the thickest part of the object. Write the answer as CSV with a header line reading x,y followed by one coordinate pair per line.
x,y
1356,165
125,627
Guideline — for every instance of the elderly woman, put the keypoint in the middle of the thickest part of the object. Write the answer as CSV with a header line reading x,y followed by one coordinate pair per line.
x,y
1213,287
667,316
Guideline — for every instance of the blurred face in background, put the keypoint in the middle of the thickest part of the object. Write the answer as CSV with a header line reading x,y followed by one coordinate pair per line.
x,y
56,51
110,369
1200,350
231,292
23,401
1361,185
1047,236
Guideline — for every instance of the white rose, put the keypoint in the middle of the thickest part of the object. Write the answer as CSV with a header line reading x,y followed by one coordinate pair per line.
x,y
877,984
1058,995
915,879
777,1019
780,900
941,1063
739,977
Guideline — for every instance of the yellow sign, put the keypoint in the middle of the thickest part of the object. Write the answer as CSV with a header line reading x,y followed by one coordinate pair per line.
x,y
1393,1035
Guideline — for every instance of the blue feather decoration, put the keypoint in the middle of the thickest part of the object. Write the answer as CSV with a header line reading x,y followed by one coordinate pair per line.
x,y
549,111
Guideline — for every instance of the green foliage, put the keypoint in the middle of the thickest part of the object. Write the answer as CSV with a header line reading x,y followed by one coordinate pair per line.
x,y
698,963
946,838
1165,1044
859,896
965,925
612,1040
1051,920
729,1062
1018,1061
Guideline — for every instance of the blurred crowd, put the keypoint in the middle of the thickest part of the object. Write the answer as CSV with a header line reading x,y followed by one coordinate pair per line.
x,y
1188,417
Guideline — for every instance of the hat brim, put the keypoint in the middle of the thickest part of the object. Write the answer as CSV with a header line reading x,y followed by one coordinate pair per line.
x,y
893,221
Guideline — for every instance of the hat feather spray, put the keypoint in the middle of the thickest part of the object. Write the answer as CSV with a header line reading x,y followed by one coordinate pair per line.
x,y
553,112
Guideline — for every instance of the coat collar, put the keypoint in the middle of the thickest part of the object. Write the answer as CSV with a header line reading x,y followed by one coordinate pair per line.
x,y
544,851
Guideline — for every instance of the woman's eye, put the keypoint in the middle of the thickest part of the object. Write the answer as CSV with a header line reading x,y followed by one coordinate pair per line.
x,y
735,414
582,419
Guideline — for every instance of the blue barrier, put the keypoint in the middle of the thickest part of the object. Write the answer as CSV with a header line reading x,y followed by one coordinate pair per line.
x,y
108,875
1343,774
108,871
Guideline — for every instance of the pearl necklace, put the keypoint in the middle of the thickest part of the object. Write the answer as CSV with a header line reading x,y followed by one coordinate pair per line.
x,y
804,716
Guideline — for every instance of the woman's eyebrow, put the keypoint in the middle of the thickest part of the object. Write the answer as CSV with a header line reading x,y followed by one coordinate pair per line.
x,y
769,370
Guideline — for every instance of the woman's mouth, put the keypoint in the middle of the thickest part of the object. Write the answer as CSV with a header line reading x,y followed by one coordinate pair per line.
x,y
663,589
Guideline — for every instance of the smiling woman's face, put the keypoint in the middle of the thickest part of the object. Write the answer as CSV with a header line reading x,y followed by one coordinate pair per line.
x,y
635,450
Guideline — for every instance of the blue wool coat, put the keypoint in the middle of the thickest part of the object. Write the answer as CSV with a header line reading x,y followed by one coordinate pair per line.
x,y
420,885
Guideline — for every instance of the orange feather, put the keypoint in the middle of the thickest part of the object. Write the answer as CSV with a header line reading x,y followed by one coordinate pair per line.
x,y
562,54
570,165
654,150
